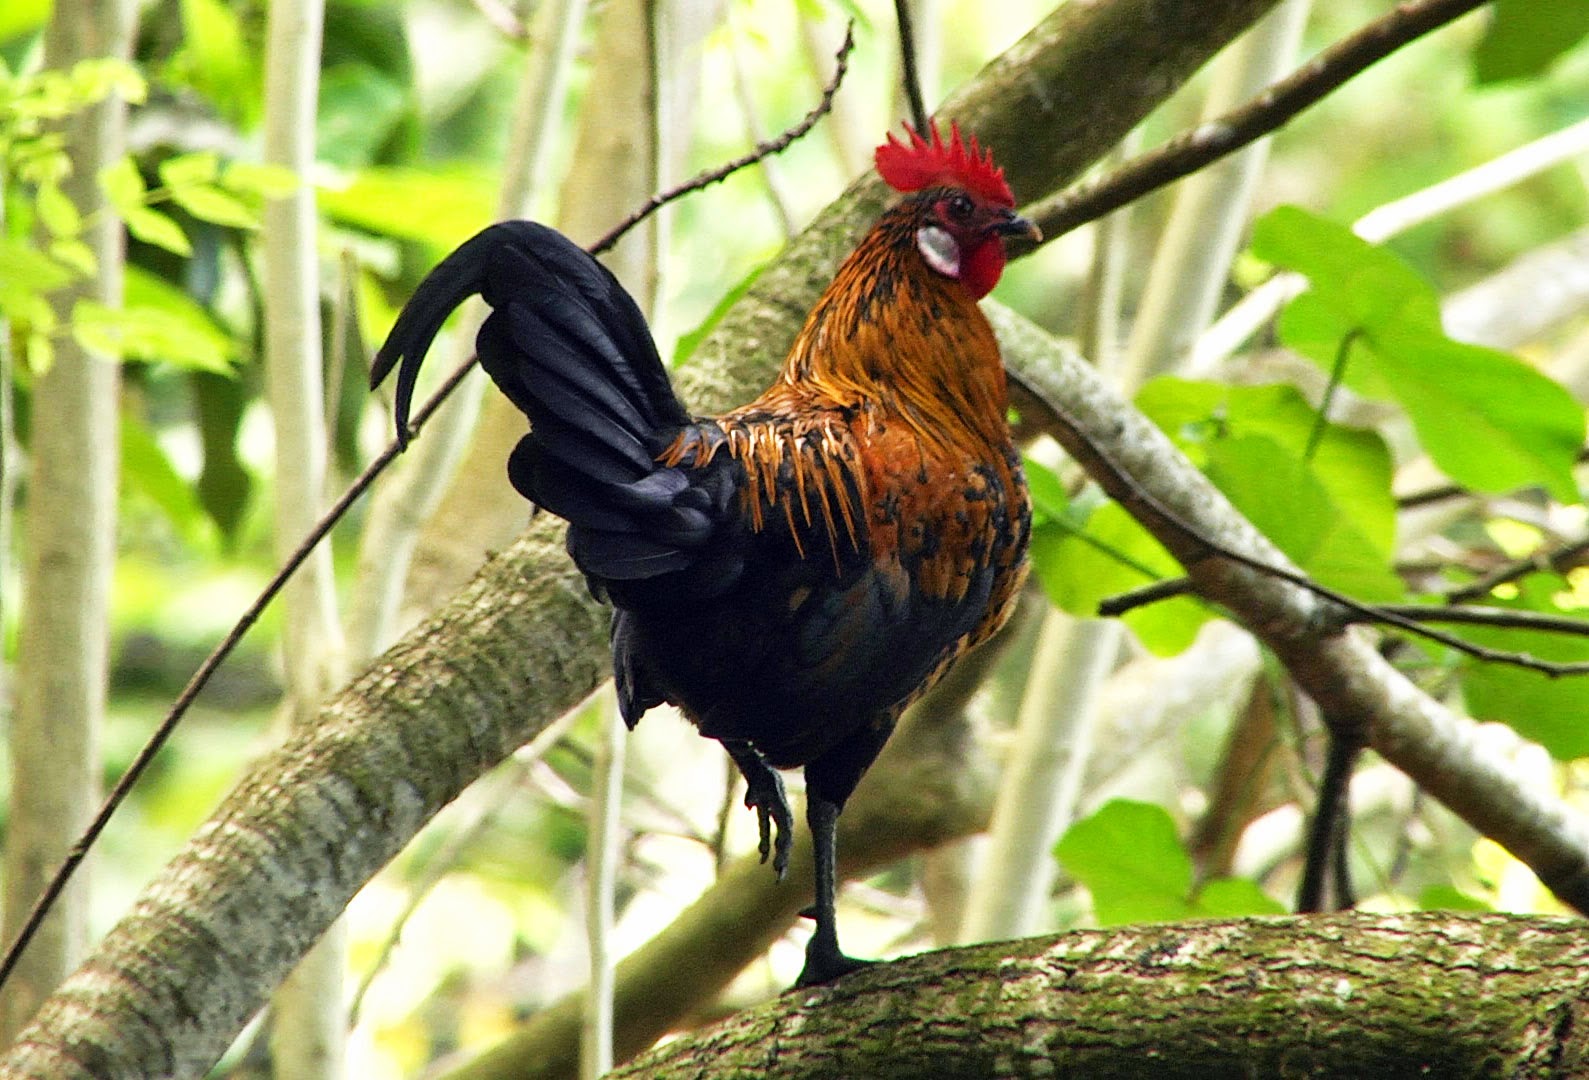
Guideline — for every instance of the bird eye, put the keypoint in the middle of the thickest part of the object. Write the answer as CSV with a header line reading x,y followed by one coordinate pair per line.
x,y
959,208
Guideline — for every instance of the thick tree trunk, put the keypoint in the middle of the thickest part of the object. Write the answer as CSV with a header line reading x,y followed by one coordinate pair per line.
x,y
1353,995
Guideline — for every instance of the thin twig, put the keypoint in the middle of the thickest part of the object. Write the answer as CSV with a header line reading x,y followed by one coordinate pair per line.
x,y
762,150
1351,609
1263,114
907,62
1563,558
190,693
245,622
1112,607
1474,615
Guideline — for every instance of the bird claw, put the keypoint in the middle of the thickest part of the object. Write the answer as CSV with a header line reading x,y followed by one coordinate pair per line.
x,y
765,795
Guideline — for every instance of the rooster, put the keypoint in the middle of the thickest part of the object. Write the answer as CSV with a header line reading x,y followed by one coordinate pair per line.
x,y
793,573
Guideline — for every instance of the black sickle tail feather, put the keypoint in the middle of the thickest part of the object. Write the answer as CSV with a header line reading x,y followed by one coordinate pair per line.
x,y
571,349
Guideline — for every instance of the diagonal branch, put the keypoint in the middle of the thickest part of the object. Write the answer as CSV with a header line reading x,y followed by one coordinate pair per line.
x,y
1233,565
1208,142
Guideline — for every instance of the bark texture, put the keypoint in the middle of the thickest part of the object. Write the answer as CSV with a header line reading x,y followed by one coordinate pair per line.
x,y
1352,995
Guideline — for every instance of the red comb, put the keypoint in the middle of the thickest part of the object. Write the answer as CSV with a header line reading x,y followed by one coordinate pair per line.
x,y
924,164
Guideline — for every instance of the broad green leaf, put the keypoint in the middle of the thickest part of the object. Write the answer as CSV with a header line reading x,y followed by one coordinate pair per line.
x,y
1130,859
438,207
153,227
1232,898
1487,419
209,203
1352,464
58,213
1049,500
26,275
265,181
123,185
193,337
1524,36
1548,710
146,470
1107,555
1281,496
184,169
1450,898
147,333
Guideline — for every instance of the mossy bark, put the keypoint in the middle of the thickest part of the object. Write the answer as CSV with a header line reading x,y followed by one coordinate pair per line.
x,y
1354,995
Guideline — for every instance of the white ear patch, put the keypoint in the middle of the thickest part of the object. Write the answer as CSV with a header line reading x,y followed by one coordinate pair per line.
x,y
939,249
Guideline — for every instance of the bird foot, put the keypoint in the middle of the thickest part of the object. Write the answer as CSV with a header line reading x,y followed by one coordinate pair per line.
x,y
824,963
765,794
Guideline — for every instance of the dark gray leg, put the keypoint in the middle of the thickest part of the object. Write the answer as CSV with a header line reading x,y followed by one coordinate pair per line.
x,y
824,960
765,795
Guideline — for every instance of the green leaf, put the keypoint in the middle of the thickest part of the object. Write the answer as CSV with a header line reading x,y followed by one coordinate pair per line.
x,y
1353,464
1234,898
191,336
1490,421
360,107
265,181
1049,500
26,275
1450,898
689,342
1524,36
58,213
19,17
1108,555
1130,859
184,169
438,207
1281,496
1548,710
153,227
76,254
209,203
123,185
146,469
147,333
218,61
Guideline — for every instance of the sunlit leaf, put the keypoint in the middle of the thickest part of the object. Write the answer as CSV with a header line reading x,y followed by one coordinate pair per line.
x,y
153,227
1488,420
217,60
148,333
1130,859
57,213
76,254
184,169
1110,554
146,469
26,275
1549,710
252,178
441,208
123,185
1525,36
209,203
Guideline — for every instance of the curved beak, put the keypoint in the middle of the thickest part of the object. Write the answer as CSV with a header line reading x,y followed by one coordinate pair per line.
x,y
1015,225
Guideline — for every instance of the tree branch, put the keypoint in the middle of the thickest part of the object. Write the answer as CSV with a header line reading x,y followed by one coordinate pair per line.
x,y
1135,463
1266,113
1340,995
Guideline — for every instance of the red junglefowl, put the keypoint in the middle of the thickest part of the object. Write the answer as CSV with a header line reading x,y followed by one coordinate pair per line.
x,y
795,572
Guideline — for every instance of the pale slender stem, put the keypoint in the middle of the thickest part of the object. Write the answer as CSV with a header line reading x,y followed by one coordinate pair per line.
x,y
308,1032
1255,309
601,863
1212,207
